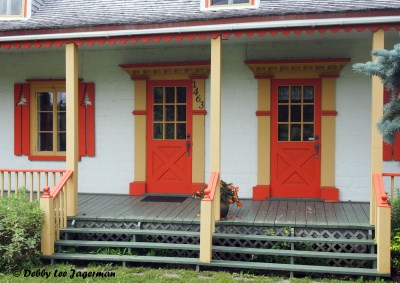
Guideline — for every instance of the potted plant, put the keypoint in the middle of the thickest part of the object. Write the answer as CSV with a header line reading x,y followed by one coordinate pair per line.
x,y
229,195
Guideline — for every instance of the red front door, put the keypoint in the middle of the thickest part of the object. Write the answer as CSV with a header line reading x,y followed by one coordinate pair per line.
x,y
169,129
296,138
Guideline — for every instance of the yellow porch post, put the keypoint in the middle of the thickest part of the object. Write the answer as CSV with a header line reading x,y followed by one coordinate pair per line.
x,y
48,232
71,54
378,42
210,210
215,116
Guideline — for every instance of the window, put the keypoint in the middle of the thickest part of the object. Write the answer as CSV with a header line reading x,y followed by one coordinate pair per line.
x,y
12,7
40,119
229,4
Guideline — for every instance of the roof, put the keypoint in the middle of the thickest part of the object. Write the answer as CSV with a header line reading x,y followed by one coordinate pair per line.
x,y
58,14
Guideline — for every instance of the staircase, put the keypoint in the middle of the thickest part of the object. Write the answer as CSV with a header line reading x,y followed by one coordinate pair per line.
x,y
294,250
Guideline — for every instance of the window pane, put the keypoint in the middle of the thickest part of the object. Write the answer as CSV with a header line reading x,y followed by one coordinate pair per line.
x,y
157,131
295,132
158,94
61,101
309,94
308,113
219,2
61,122
169,131
283,94
169,113
45,142
295,113
61,142
308,132
181,131
181,113
45,121
295,95
240,1
170,95
181,94
15,8
283,113
45,101
283,132
157,113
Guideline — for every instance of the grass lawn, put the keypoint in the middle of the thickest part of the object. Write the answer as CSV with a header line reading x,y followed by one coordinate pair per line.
x,y
108,273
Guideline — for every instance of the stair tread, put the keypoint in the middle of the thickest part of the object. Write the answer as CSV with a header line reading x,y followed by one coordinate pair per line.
x,y
293,239
295,267
126,244
130,231
297,253
130,258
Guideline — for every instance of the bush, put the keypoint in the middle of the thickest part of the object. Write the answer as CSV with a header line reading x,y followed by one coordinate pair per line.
x,y
20,232
395,211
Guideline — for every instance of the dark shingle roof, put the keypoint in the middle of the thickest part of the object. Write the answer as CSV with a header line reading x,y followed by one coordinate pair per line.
x,y
55,14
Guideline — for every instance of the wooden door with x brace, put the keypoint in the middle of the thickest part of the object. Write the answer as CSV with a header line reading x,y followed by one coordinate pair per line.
x,y
296,138
169,129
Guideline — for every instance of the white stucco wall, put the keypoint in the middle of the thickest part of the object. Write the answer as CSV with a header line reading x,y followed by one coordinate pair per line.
x,y
111,170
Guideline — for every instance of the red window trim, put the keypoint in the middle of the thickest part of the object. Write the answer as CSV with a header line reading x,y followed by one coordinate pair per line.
x,y
86,121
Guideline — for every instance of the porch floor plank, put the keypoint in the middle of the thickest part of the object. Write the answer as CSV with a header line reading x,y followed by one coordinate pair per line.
x,y
351,215
320,214
311,218
359,211
251,215
291,213
341,215
331,218
262,211
271,214
280,218
301,214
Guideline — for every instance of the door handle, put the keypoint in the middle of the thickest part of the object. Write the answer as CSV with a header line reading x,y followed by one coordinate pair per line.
x,y
316,146
188,145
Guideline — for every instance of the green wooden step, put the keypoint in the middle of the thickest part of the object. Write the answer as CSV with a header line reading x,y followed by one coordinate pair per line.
x,y
123,258
116,244
292,239
130,232
294,268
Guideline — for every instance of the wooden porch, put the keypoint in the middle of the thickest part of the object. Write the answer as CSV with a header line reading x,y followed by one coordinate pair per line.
x,y
273,212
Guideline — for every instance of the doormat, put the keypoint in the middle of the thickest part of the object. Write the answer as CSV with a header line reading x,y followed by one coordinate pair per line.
x,y
163,199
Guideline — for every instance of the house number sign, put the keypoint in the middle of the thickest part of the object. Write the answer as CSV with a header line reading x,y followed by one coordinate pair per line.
x,y
198,93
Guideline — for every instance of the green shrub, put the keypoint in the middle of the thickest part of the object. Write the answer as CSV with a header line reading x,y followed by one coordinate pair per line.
x,y
396,211
20,232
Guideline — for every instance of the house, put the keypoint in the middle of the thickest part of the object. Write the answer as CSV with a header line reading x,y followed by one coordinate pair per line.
x,y
167,92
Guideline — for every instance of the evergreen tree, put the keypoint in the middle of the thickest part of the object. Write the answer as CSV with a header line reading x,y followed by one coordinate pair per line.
x,y
387,68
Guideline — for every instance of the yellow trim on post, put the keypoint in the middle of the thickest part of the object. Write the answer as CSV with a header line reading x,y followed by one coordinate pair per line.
x,y
206,230
48,229
198,132
71,52
328,133
378,42
140,132
264,132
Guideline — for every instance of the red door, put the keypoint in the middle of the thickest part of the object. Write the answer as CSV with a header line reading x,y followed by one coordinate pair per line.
x,y
296,138
169,129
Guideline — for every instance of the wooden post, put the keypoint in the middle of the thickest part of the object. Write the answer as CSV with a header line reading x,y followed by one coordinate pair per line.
x,y
46,204
383,239
215,117
71,54
206,230
378,42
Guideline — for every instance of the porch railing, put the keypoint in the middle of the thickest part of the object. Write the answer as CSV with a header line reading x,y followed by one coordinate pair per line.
x,y
380,217
11,180
208,215
54,205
